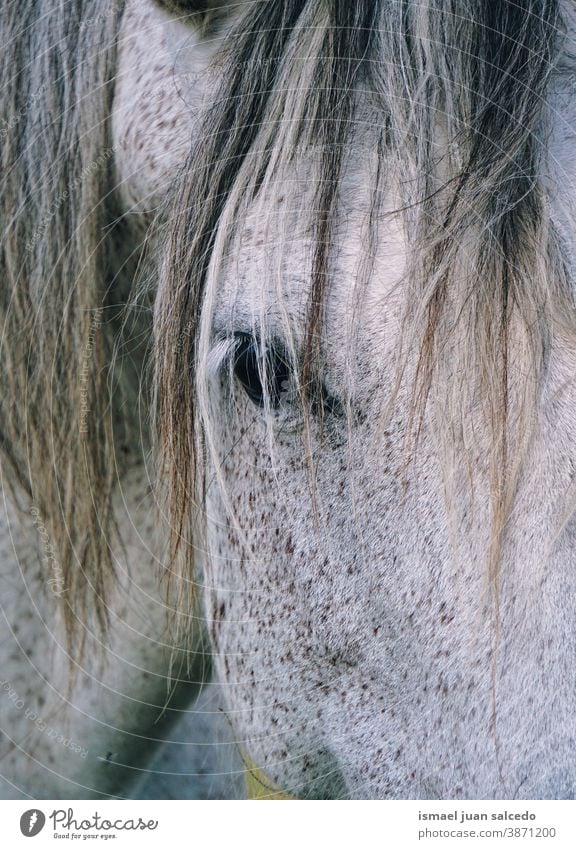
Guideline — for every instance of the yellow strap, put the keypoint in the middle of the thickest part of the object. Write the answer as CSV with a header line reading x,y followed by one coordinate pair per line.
x,y
258,786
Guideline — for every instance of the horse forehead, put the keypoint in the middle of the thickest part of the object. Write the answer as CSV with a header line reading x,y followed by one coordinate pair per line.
x,y
268,266
162,90
159,95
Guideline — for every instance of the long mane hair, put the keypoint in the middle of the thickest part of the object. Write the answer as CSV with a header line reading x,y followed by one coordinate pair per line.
x,y
487,265
486,275
58,62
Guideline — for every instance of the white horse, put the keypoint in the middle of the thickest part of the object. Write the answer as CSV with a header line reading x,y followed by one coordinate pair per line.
x,y
348,229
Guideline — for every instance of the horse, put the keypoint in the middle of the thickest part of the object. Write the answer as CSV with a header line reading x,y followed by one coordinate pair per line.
x,y
288,346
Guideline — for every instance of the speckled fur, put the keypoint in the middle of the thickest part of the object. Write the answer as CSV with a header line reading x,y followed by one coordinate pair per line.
x,y
360,658
358,661
113,714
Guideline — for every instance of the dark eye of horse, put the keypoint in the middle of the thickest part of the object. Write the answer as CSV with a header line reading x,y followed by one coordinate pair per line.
x,y
263,371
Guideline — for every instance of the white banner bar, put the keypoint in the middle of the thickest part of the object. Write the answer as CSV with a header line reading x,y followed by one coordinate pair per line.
x,y
293,825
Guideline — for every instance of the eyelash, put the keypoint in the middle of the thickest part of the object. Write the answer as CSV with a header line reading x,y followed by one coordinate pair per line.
x,y
264,372
267,375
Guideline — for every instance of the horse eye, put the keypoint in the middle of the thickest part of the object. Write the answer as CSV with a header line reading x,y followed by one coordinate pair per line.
x,y
263,371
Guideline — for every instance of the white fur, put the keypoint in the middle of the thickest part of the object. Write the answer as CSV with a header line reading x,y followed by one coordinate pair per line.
x,y
360,660
357,661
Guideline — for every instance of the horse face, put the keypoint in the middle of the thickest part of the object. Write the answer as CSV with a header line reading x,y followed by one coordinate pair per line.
x,y
348,596
345,592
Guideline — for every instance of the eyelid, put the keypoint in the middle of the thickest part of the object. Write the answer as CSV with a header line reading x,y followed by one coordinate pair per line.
x,y
223,356
262,368
200,15
220,356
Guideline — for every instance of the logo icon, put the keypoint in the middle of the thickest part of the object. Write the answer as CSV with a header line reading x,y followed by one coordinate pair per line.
x,y
32,822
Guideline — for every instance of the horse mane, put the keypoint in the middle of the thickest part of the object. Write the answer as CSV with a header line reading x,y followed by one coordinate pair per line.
x,y
486,268
58,62
482,67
